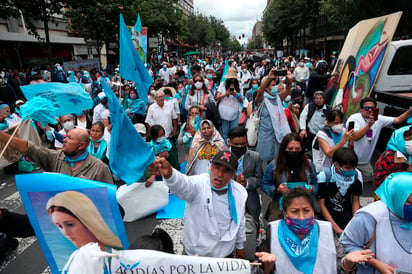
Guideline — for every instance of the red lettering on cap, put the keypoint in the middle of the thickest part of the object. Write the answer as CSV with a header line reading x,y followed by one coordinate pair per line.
x,y
226,156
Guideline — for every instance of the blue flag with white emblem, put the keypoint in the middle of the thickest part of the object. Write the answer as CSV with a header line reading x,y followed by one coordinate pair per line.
x,y
66,98
131,66
130,155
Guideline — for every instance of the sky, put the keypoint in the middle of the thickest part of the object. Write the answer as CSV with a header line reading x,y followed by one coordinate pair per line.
x,y
239,16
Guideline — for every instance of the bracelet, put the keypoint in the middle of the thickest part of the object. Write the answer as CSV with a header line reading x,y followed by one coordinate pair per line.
x,y
344,268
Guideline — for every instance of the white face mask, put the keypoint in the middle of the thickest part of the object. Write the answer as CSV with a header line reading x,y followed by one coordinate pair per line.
x,y
198,85
68,125
288,98
408,146
337,128
244,70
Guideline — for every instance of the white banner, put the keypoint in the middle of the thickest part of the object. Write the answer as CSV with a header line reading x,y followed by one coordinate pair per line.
x,y
149,261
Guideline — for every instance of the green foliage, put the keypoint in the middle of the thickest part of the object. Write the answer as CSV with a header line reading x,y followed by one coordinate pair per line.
x,y
348,13
32,10
256,43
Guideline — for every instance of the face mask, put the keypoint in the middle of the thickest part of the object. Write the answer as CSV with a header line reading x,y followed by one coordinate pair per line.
x,y
255,86
288,98
153,92
408,146
293,159
299,226
198,85
347,173
133,96
238,150
274,90
209,76
161,140
68,125
165,66
407,213
337,128
244,70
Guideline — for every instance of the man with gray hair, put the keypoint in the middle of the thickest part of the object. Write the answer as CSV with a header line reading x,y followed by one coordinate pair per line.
x,y
313,117
162,113
73,159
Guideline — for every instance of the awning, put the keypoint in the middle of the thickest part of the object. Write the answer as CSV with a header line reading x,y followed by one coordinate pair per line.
x,y
22,37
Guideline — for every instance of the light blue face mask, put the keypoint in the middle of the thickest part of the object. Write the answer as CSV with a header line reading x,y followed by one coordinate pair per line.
x,y
274,90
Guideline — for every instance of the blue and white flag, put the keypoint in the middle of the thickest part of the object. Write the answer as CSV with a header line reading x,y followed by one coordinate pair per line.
x,y
131,66
138,26
130,155
66,98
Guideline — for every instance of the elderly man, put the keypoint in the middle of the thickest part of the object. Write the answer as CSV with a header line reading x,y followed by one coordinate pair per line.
x,y
214,223
162,113
313,118
73,159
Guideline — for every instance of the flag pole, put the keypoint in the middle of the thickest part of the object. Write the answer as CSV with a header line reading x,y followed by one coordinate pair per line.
x,y
11,137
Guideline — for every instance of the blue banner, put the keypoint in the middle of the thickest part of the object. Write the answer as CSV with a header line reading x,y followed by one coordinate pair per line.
x,y
66,98
131,66
130,155
93,204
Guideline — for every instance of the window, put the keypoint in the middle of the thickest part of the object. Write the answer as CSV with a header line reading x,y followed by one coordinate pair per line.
x,y
401,63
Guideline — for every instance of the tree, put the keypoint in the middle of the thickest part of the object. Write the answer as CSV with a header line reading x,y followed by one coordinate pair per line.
x,y
256,43
33,10
348,13
94,20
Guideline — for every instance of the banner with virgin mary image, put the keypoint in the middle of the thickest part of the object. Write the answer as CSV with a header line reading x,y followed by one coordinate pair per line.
x,y
68,212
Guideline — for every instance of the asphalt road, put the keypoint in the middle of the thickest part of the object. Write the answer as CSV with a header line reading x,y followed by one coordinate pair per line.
x,y
28,257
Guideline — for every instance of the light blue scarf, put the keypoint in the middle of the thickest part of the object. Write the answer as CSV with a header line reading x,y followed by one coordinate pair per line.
x,y
302,253
98,152
335,136
81,157
230,198
397,142
161,146
4,125
394,192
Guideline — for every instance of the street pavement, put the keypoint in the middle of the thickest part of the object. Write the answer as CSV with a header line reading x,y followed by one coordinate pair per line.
x,y
28,257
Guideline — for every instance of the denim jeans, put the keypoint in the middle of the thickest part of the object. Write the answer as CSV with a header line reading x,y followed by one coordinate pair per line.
x,y
226,127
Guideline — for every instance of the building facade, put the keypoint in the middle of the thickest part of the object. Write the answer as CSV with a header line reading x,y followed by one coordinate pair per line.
x,y
18,48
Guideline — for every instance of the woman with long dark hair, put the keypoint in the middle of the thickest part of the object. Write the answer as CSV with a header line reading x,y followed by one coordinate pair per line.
x,y
290,169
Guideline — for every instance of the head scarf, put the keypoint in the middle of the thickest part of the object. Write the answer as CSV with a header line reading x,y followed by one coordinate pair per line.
x,y
394,192
199,141
86,212
397,142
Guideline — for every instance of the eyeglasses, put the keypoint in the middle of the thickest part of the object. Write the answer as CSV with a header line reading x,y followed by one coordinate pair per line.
x,y
157,97
368,108
198,81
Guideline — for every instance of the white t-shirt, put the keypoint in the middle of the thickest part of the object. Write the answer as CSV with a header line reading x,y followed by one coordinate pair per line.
x,y
229,107
164,74
320,160
365,146
162,116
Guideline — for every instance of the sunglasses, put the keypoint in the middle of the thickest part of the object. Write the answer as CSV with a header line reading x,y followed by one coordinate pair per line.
x,y
368,108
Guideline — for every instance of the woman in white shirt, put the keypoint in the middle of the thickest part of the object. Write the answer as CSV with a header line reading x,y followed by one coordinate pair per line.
x,y
329,139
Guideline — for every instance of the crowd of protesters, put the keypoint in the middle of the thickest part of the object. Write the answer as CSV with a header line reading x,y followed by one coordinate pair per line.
x,y
300,150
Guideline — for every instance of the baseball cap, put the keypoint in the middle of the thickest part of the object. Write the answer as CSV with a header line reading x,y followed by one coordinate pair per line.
x,y
226,158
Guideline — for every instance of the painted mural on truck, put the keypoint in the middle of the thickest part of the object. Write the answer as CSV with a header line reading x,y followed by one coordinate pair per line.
x,y
360,60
